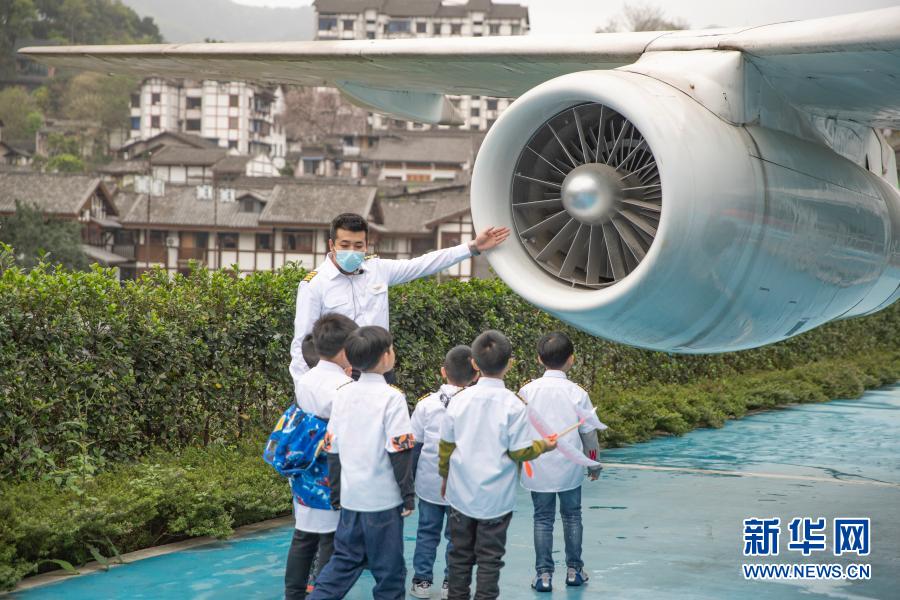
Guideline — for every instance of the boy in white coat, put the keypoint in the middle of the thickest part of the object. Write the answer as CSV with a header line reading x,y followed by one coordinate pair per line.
x,y
427,419
559,402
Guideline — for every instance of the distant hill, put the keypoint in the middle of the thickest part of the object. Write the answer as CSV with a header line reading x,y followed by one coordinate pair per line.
x,y
223,20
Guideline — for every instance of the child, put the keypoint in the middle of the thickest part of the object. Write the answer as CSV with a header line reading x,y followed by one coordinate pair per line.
x,y
555,399
308,350
369,442
316,390
484,435
458,372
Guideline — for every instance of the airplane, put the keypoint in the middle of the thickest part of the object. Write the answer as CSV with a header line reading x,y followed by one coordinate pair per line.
x,y
685,191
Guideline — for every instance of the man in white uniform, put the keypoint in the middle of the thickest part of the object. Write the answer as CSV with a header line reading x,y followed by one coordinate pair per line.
x,y
348,283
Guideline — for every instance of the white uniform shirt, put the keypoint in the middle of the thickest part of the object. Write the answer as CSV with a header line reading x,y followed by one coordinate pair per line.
x,y
363,297
319,389
554,398
427,419
485,421
369,419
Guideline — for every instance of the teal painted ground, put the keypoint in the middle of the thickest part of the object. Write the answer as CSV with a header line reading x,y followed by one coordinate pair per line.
x,y
649,533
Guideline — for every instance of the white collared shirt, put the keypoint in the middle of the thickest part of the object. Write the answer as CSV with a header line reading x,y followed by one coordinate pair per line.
x,y
427,419
554,397
485,421
362,296
315,392
369,420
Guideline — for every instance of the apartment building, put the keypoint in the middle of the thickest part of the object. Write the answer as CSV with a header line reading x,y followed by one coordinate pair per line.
x,y
234,115
379,19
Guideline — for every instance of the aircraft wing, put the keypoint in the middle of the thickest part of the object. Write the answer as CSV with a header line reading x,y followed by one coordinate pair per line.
x,y
846,66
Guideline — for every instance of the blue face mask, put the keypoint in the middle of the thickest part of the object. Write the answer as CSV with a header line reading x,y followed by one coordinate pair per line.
x,y
349,260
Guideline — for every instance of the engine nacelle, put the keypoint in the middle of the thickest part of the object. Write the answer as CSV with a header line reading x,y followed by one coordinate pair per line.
x,y
640,216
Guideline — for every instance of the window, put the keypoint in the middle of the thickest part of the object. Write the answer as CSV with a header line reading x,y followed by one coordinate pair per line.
x,y
476,112
450,239
263,241
135,100
135,122
455,29
516,29
398,26
155,98
194,103
311,166
490,123
476,97
228,241
157,238
421,246
298,241
154,122
232,144
349,24
421,27
234,101
251,205
370,35
327,23
492,104
233,123
494,29
192,125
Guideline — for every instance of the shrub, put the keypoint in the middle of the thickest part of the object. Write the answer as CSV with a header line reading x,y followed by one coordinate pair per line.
x,y
95,372
160,499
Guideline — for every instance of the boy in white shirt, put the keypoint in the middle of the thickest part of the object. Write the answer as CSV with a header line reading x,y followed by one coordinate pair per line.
x,y
427,418
484,437
369,444
559,402
315,392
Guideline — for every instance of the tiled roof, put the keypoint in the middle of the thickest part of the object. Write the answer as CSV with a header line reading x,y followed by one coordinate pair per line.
x,y
184,156
232,165
316,204
422,8
424,149
62,195
180,207
421,213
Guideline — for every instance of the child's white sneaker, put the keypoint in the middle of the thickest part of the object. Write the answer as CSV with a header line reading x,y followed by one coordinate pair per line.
x,y
421,589
576,577
445,590
543,582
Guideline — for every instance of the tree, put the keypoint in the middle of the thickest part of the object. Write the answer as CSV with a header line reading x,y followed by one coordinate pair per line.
x,y
316,113
101,98
15,107
16,20
65,163
642,17
32,236
92,22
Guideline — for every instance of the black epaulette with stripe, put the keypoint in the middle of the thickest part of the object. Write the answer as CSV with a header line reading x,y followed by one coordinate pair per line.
x,y
371,256
396,388
309,276
524,401
343,384
422,397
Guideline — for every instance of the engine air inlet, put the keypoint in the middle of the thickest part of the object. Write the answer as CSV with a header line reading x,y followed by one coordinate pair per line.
x,y
587,196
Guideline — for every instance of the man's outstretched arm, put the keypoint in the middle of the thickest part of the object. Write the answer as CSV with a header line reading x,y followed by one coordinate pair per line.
x,y
401,271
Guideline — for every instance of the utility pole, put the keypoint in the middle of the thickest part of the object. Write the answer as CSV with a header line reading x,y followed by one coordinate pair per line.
x,y
149,195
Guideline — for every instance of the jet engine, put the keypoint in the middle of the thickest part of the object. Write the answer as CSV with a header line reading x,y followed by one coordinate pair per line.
x,y
640,216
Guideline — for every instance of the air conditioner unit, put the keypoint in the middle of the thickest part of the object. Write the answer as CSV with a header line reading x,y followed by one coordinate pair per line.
x,y
204,192
172,242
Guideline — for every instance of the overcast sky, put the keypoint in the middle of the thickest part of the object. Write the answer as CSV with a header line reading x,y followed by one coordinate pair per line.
x,y
583,16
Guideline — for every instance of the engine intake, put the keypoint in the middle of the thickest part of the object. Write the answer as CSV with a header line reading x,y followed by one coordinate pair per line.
x,y
642,217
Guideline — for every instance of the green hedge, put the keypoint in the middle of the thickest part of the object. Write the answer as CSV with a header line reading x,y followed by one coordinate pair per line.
x,y
95,372
160,499
209,491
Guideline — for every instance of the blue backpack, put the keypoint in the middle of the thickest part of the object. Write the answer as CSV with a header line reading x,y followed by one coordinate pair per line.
x,y
295,450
